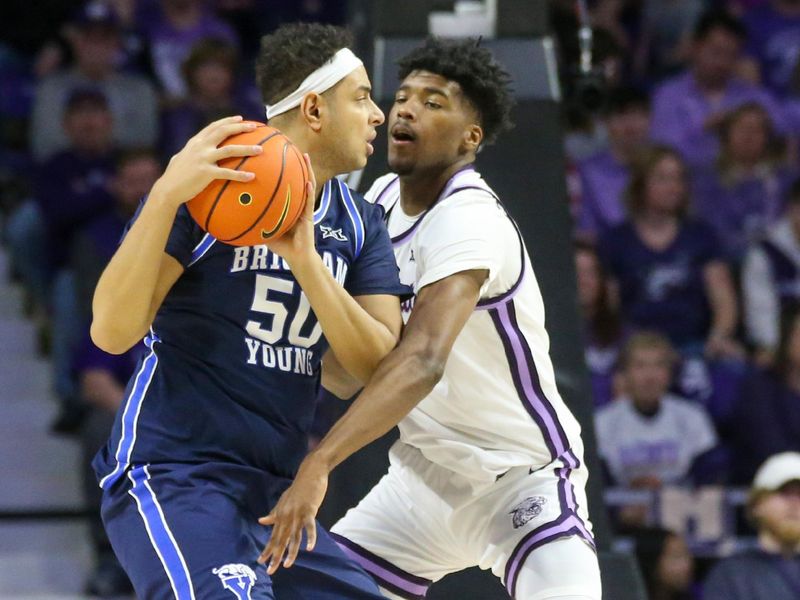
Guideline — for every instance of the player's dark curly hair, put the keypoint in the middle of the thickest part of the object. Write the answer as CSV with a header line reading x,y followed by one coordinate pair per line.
x,y
294,51
484,82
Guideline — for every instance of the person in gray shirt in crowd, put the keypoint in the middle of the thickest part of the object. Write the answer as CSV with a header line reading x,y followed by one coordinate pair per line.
x,y
94,37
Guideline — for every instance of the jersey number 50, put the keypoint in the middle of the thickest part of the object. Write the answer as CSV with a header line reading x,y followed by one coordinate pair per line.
x,y
275,332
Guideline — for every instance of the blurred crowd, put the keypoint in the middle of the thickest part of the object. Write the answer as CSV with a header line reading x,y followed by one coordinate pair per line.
x,y
683,175
683,183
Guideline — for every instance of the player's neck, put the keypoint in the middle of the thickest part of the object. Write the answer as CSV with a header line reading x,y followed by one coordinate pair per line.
x,y
419,190
322,171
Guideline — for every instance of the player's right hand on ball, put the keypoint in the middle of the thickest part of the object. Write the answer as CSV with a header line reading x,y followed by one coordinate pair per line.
x,y
195,166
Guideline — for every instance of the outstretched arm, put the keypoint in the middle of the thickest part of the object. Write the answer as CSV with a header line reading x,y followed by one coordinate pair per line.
x,y
139,275
402,380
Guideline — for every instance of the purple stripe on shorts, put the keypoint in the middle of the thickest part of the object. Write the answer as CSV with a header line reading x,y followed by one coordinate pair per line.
x,y
563,494
567,524
570,459
526,379
564,526
401,582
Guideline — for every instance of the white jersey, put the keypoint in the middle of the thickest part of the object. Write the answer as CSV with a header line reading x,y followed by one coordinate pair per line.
x,y
497,405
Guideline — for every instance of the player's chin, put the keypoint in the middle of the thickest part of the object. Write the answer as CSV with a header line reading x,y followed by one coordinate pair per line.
x,y
398,165
360,161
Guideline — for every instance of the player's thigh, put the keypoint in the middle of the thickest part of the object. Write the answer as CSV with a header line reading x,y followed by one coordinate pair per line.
x,y
179,541
397,533
563,568
528,511
326,573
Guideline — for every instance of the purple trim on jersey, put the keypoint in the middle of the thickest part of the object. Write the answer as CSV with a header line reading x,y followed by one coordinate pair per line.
x,y
449,190
526,378
392,183
402,583
512,291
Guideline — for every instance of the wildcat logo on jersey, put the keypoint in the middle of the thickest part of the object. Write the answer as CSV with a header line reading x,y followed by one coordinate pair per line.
x,y
330,232
527,510
237,579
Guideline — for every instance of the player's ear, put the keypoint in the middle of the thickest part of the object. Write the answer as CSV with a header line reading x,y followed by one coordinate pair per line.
x,y
473,136
310,110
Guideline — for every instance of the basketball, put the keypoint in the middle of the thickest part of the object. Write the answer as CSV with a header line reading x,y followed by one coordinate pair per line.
x,y
254,212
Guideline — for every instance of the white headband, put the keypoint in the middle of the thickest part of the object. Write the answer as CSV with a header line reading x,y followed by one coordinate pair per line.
x,y
332,72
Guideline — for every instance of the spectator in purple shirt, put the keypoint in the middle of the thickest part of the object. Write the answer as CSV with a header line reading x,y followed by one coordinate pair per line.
x,y
210,72
68,188
72,189
603,334
745,191
179,25
605,175
688,107
93,245
773,43
668,267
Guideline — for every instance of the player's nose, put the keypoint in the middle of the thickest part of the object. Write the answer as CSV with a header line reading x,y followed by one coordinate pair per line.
x,y
405,111
376,117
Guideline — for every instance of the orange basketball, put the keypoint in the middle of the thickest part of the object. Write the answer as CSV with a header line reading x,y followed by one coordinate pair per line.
x,y
254,212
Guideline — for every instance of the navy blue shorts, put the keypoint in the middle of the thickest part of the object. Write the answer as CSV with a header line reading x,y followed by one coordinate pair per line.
x,y
191,532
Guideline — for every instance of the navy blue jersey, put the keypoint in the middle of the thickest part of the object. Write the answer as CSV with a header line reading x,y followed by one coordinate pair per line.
x,y
234,352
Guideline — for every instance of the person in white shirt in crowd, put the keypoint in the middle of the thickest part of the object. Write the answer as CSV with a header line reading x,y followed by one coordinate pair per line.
x,y
771,280
648,437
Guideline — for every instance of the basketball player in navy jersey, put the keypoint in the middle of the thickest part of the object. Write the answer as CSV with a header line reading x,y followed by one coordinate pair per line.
x,y
488,470
215,418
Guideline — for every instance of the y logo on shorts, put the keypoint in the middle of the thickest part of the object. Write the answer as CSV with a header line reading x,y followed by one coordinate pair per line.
x,y
526,510
236,578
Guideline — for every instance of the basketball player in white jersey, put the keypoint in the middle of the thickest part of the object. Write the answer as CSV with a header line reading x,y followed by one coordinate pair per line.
x,y
489,467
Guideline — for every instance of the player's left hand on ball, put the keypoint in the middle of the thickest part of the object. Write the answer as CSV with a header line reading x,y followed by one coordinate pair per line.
x,y
298,242
294,513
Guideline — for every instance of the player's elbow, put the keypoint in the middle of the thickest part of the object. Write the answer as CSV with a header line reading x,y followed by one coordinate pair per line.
x,y
428,366
108,338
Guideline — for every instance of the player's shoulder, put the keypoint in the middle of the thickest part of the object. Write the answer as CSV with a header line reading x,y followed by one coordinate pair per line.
x,y
379,187
368,211
469,198
470,188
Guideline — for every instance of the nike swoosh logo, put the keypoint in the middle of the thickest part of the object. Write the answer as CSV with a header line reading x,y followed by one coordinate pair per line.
x,y
265,234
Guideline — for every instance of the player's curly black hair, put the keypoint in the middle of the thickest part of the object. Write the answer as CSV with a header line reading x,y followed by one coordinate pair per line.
x,y
294,51
484,82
